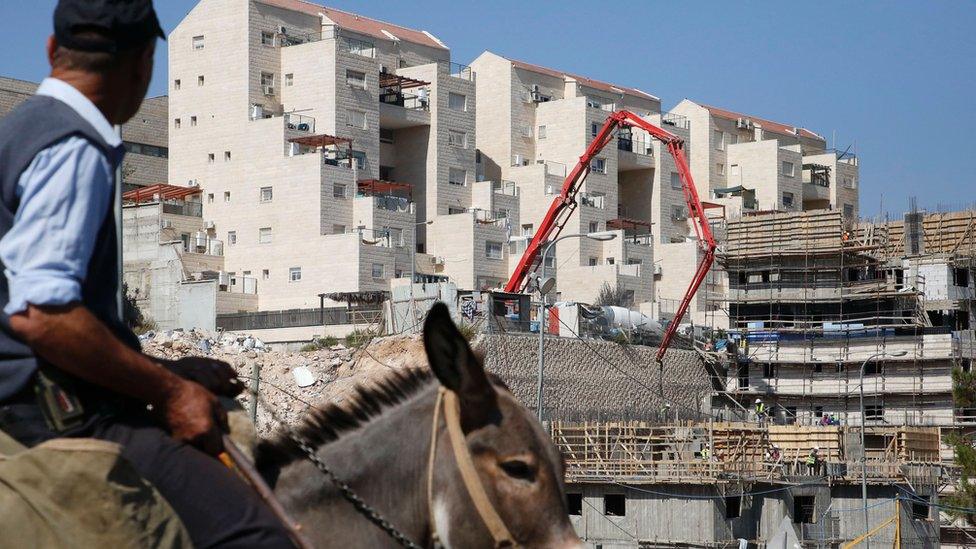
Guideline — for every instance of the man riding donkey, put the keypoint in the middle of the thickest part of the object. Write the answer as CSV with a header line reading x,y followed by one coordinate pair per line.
x,y
69,366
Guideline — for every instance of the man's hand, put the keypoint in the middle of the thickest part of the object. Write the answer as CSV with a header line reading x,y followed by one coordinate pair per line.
x,y
216,375
194,416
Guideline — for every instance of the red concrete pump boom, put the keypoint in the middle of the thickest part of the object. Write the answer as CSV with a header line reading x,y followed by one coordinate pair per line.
x,y
564,204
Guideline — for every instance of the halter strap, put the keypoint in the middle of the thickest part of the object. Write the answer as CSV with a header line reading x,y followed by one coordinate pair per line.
x,y
472,482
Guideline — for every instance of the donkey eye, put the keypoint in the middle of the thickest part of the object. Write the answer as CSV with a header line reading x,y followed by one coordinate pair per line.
x,y
518,469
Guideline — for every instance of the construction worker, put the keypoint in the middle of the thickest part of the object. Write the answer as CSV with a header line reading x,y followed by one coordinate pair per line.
x,y
761,412
61,335
706,454
813,461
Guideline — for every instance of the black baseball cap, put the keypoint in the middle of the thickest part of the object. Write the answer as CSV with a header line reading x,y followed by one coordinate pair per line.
x,y
119,25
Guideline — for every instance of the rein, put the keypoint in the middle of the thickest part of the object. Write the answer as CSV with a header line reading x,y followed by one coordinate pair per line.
x,y
472,483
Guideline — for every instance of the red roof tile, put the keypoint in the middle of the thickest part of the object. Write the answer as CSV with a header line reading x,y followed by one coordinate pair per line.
x,y
588,82
767,125
358,23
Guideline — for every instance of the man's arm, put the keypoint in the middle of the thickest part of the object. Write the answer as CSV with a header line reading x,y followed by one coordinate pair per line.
x,y
72,339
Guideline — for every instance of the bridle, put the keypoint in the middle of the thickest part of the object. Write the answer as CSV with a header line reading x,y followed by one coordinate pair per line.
x,y
448,400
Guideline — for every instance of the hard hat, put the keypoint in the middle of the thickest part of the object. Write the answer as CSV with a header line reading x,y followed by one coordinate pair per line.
x,y
758,400
816,447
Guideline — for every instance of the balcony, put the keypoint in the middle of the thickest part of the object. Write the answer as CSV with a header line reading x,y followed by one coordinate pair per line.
x,y
335,151
635,152
400,108
179,207
457,70
508,188
592,200
293,122
676,120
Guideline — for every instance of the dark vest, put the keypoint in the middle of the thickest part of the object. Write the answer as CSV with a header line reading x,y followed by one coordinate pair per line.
x,y
33,126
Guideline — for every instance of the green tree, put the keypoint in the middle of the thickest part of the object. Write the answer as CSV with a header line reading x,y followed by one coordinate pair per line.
x,y
964,396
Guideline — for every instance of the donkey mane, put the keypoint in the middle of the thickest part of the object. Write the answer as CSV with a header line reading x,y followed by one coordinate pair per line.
x,y
328,422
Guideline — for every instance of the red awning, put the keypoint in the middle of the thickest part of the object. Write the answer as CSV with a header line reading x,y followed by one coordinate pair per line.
x,y
380,186
390,80
159,191
320,140
628,223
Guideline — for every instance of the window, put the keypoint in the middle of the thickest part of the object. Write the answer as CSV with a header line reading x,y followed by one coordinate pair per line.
x,y
265,274
848,182
675,180
267,38
920,509
541,134
615,505
358,159
378,270
457,101
454,211
848,211
594,129
198,42
803,509
457,139
231,238
226,196
338,190
720,168
733,138
528,229
356,79
733,507
592,261
599,165
294,274
677,212
594,226
176,84
873,368
210,198
356,119
493,250
787,200
960,277
176,123
289,80
873,412
396,236
575,502
200,80
386,135
457,176
338,229
719,140
226,156
267,79
788,168
210,158
267,193
744,375
611,261
264,235
769,370
193,121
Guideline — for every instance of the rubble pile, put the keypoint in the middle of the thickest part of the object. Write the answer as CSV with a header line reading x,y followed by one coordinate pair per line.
x,y
291,382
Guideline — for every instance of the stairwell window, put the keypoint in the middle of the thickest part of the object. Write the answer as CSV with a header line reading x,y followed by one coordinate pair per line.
x,y
378,270
788,168
265,274
226,196
457,139
720,168
193,121
493,250
675,180
849,182
719,139
198,42
267,194
356,119
264,235
457,176
267,38
210,158
226,156
615,505
231,238
339,191
176,84
289,80
210,198
294,274
598,165
356,79
788,200
457,101
177,123
541,133
200,80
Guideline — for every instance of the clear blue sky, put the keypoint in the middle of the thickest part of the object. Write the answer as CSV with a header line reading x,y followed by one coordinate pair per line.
x,y
898,79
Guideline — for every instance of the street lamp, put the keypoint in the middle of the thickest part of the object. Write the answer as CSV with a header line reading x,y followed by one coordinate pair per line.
x,y
864,453
413,272
545,284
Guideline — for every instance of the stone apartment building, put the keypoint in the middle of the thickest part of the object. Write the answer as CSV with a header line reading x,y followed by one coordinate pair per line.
x,y
144,136
533,124
747,163
323,142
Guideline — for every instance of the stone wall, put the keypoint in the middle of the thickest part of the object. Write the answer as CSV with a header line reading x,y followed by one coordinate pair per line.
x,y
579,384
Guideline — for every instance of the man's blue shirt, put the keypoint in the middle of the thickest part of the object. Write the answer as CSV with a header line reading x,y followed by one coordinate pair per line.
x,y
64,195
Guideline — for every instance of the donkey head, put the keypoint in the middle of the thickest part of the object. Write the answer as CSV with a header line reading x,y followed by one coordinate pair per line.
x,y
520,468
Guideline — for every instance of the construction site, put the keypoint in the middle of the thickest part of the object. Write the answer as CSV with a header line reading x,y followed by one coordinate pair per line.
x,y
723,351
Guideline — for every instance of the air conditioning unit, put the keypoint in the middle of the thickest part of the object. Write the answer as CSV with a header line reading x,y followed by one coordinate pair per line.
x,y
657,269
209,225
269,90
193,183
743,123
519,160
166,224
437,260
283,30
223,278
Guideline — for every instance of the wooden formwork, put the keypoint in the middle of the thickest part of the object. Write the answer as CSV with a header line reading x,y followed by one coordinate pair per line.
x,y
942,233
802,232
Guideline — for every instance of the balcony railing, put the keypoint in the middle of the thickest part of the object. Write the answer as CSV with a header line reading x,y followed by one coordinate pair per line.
x,y
633,144
463,72
392,203
192,209
202,244
676,120
300,122
592,201
405,100
645,239
553,168
359,47
504,187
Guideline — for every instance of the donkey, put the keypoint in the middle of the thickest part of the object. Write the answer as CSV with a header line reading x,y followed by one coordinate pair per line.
x,y
380,441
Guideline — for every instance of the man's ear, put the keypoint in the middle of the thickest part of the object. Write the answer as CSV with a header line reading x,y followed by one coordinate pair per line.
x,y
455,364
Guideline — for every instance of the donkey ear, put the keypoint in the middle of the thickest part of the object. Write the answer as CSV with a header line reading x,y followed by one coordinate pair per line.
x,y
450,356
